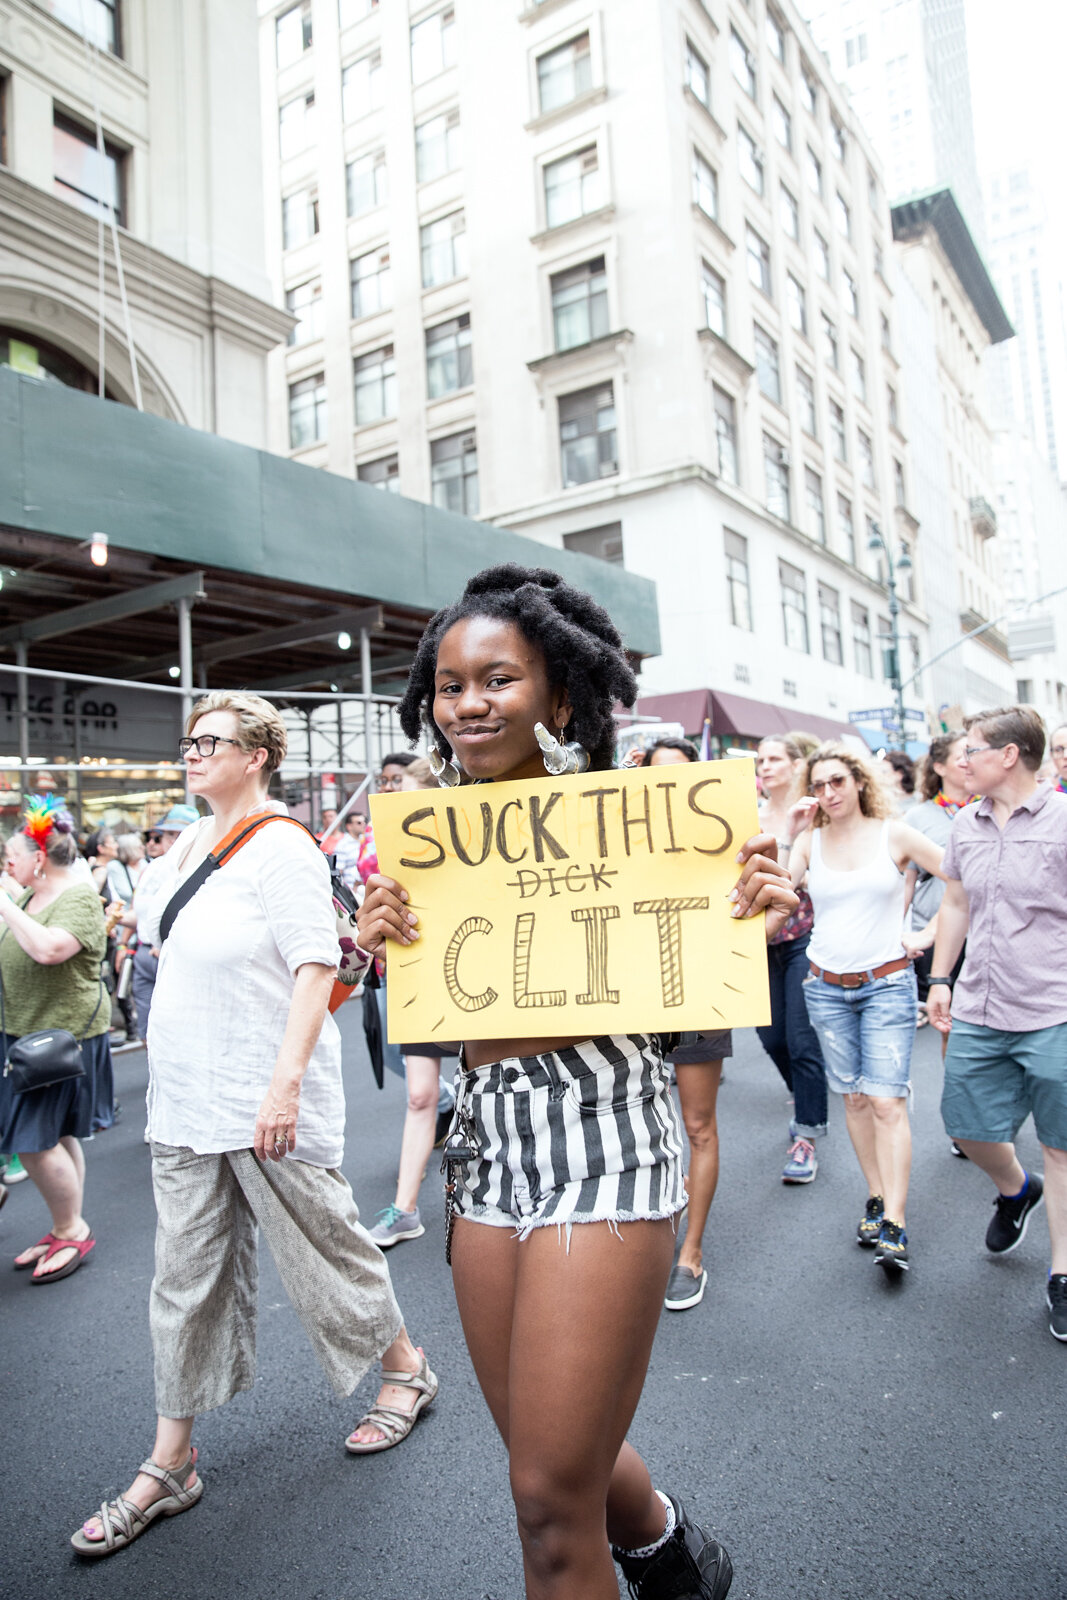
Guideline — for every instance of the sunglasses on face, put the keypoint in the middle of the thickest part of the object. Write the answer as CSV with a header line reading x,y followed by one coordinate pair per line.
x,y
835,783
205,745
153,838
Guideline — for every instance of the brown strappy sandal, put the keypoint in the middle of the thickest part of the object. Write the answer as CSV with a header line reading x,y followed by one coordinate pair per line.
x,y
122,1521
395,1424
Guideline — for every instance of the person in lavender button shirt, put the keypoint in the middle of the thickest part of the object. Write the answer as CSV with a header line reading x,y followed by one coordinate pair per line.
x,y
1006,1020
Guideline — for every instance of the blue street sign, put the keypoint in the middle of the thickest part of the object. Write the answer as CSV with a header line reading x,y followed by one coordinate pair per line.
x,y
872,716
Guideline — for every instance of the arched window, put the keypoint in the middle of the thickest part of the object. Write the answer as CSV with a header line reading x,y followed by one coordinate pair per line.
x,y
26,352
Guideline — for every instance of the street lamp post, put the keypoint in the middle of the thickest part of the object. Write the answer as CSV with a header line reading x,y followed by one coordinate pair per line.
x,y
877,541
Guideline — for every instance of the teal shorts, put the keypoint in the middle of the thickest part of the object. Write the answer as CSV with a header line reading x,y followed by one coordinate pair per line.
x,y
995,1079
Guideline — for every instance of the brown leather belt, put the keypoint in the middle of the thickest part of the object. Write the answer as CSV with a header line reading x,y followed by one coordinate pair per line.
x,y
856,980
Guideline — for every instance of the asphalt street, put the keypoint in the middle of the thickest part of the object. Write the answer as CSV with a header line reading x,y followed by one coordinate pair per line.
x,y
846,1438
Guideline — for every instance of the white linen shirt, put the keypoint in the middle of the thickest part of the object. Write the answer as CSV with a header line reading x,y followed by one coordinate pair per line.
x,y
222,997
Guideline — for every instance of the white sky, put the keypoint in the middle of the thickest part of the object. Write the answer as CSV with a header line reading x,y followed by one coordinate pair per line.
x,y
1017,53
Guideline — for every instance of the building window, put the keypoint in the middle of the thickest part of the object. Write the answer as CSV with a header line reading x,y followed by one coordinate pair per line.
x,y
705,186
604,543
443,246
304,301
797,302
580,304
829,334
361,87
892,406
775,36
887,343
587,435
855,49
767,371
837,431
872,190
850,292
847,526
885,648
696,74
859,376
433,45
813,169
776,469
292,33
437,146
92,184
448,357
382,474
300,217
355,10
574,187
758,255
95,20
794,607
782,123
454,473
749,160
296,125
307,411
713,286
564,73
816,505
742,63
899,489
788,212
879,259
375,382
737,583
842,216
372,283
837,139
830,624
806,402
822,256
861,640
726,434
365,183
809,92
866,458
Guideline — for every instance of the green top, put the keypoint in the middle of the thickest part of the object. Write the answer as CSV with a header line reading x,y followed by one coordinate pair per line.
x,y
63,996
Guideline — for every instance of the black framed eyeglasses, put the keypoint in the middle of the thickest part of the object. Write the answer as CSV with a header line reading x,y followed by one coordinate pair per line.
x,y
205,744
153,838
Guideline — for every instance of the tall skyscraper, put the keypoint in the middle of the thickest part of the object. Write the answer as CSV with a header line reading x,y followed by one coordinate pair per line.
x,y
904,63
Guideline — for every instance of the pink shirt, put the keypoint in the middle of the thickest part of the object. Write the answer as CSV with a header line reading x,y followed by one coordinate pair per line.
x,y
1015,878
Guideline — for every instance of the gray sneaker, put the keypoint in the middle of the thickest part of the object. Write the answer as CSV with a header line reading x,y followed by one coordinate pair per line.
x,y
685,1288
393,1225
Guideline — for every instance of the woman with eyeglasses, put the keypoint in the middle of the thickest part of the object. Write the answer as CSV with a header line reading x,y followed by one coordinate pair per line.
x,y
246,1120
860,992
1058,750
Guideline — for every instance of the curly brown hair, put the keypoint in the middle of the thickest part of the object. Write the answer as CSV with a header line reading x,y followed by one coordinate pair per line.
x,y
873,800
939,751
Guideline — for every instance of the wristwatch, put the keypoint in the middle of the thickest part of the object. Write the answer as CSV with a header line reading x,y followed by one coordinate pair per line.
x,y
931,981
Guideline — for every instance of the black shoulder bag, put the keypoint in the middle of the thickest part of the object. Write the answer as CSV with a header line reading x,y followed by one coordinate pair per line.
x,y
52,1055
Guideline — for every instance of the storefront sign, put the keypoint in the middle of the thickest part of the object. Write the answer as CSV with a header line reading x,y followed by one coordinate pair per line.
x,y
574,906
82,720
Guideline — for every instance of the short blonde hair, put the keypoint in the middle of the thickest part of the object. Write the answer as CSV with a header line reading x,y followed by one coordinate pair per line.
x,y
259,724
873,800
420,772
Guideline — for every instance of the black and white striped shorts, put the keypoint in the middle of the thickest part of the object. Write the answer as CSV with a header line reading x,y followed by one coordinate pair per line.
x,y
585,1134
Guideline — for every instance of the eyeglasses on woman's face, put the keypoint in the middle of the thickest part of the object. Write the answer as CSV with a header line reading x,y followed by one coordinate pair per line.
x,y
205,745
972,750
835,782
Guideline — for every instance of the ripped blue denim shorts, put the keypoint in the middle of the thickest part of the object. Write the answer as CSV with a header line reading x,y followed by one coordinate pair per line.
x,y
866,1034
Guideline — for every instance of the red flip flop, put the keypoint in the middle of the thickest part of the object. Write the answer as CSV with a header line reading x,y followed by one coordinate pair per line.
x,y
82,1246
24,1266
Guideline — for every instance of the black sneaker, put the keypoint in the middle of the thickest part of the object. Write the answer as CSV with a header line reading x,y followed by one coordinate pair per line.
x,y
685,1288
1011,1215
1056,1300
690,1566
891,1251
870,1224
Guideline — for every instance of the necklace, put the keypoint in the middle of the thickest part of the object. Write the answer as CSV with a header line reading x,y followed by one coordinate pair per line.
x,y
1061,785
952,806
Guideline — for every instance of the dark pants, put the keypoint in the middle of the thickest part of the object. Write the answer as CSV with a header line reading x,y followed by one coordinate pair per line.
x,y
790,1041
924,966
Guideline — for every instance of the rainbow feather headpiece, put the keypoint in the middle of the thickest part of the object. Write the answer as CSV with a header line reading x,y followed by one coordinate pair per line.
x,y
41,818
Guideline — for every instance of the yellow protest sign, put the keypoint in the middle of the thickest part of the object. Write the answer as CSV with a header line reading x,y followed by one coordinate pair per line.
x,y
574,906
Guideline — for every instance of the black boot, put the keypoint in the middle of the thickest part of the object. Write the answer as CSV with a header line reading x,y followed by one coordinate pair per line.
x,y
690,1566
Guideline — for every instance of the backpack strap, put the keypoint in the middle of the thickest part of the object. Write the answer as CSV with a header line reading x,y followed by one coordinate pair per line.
x,y
224,851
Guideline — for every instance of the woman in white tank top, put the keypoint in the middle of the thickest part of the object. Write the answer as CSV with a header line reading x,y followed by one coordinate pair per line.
x,y
861,995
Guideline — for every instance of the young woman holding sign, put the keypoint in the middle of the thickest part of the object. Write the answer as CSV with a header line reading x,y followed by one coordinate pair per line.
x,y
559,1321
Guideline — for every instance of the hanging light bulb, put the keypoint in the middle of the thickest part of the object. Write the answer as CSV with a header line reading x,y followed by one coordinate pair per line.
x,y
174,672
344,641
98,549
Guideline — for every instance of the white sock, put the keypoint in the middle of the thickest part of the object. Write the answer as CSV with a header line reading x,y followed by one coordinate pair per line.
x,y
648,1550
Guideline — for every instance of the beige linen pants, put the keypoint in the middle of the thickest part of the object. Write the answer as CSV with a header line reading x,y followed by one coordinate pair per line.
x,y
203,1301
